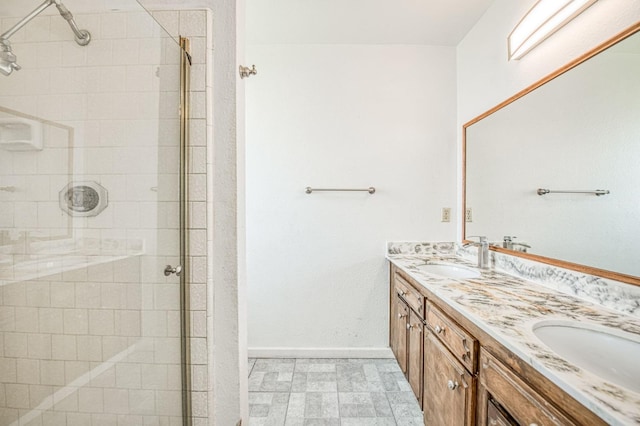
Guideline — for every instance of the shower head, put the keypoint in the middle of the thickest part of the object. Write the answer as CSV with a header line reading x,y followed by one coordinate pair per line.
x,y
8,61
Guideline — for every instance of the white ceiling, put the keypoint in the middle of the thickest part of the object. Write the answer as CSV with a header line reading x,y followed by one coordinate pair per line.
x,y
434,22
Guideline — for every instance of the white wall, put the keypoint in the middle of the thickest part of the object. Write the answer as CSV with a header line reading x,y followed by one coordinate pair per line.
x,y
227,321
341,116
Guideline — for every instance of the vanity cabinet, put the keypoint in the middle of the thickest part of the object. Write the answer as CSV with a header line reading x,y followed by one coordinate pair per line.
x,y
407,330
462,375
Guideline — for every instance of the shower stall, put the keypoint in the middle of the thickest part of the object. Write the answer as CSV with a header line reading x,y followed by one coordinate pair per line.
x,y
93,315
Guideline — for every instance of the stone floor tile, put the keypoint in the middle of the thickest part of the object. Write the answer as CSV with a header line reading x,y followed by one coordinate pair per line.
x,y
351,372
314,382
255,381
410,421
401,398
268,408
381,404
251,363
371,372
321,405
272,381
299,382
316,366
356,404
313,376
322,422
404,405
297,402
359,386
274,364
378,421
394,382
341,392
322,387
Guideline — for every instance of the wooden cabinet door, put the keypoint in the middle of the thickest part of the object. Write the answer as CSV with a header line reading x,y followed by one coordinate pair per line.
x,y
415,347
449,390
399,337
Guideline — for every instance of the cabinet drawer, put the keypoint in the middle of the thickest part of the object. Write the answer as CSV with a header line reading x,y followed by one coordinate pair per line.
x,y
522,403
414,299
461,344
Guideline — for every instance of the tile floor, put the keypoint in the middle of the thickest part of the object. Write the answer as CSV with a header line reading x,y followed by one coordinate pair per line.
x,y
328,392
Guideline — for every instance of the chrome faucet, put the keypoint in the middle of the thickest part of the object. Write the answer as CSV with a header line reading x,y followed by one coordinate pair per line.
x,y
508,243
483,251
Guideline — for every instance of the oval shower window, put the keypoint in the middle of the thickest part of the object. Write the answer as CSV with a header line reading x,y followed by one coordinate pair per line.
x,y
83,198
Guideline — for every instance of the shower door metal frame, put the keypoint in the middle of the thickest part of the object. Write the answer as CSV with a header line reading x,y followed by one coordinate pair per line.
x,y
185,310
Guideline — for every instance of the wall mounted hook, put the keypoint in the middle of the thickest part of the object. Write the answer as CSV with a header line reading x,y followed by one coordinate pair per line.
x,y
247,72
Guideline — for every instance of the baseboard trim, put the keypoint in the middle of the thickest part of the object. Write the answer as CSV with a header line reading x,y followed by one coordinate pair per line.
x,y
320,353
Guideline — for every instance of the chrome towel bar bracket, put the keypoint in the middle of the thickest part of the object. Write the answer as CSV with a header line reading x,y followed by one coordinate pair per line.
x,y
598,192
309,190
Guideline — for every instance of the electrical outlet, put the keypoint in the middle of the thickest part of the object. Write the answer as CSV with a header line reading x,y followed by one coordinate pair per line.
x,y
446,214
468,215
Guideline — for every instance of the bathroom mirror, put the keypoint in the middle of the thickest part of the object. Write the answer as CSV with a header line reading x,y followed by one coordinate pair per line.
x,y
578,130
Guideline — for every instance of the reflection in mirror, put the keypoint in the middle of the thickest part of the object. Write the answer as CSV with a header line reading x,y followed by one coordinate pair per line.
x,y
34,154
579,131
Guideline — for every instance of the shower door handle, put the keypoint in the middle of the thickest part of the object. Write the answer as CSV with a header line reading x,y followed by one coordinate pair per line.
x,y
171,270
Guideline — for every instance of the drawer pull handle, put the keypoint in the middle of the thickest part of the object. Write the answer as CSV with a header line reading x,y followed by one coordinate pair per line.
x,y
409,326
533,424
439,329
453,385
402,315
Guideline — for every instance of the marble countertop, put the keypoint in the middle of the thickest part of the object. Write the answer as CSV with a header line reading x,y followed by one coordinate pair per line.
x,y
506,307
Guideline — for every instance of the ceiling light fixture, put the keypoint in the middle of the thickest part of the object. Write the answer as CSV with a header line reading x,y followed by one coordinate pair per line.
x,y
542,20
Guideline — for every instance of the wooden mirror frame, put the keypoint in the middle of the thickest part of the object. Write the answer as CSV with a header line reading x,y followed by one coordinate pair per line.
x,y
629,279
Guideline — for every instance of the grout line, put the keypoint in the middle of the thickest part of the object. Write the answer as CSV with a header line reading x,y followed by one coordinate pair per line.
x,y
286,413
252,366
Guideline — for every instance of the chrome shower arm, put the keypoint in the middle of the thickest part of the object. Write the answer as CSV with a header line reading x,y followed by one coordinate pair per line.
x,y
37,11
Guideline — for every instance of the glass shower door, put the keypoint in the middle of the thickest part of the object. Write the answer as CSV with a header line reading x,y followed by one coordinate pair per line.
x,y
90,325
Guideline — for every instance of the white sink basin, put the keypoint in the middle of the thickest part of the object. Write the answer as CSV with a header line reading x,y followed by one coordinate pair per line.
x,y
606,352
450,270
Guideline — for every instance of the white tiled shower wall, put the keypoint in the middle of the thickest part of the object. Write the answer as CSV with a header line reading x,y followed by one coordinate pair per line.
x,y
100,344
